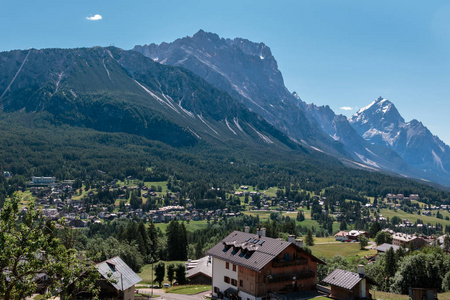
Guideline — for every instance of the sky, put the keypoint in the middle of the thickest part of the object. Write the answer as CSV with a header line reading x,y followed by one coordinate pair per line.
x,y
344,54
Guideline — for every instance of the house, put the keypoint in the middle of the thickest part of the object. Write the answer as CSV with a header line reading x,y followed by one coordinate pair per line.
x,y
341,236
353,235
385,247
200,271
118,280
349,285
252,266
410,241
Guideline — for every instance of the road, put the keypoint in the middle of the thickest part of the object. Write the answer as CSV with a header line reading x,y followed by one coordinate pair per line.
x,y
168,296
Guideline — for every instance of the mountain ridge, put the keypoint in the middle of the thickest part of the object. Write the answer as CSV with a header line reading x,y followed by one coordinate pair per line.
x,y
249,72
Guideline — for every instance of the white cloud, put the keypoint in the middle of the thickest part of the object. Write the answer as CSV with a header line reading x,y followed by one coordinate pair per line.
x,y
94,18
346,108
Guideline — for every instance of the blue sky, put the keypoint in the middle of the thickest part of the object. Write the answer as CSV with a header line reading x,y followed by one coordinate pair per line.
x,y
340,53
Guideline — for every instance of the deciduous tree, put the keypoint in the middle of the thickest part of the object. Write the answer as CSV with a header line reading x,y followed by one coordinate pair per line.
x,y
29,247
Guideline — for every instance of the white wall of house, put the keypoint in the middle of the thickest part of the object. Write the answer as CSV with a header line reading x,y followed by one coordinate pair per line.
x,y
219,273
245,296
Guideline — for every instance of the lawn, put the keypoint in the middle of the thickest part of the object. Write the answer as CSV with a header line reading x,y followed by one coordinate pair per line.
x,y
323,240
188,289
391,296
344,249
388,296
191,226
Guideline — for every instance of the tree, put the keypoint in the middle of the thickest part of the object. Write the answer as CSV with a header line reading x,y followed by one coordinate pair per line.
x,y
396,220
180,271
29,246
309,240
383,237
171,273
343,225
419,270
446,245
374,229
160,272
390,265
153,239
177,245
300,216
363,241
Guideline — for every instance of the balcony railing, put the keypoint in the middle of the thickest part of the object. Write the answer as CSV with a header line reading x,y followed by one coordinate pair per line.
x,y
289,277
289,263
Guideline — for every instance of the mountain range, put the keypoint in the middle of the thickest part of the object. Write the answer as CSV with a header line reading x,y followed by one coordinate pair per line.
x,y
248,71
208,91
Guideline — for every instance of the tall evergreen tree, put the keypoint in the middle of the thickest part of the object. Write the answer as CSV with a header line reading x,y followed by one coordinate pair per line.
x,y
153,241
309,240
160,272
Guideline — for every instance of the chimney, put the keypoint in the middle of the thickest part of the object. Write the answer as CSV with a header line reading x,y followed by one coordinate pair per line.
x,y
299,242
247,229
263,232
361,269
291,238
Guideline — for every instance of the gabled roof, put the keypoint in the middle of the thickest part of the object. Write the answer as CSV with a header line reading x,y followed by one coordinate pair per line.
x,y
201,266
346,279
117,270
385,247
251,251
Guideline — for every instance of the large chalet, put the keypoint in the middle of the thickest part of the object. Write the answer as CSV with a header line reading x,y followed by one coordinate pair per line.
x,y
252,266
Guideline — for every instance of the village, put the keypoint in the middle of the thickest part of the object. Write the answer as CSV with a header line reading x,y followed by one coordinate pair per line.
x,y
290,268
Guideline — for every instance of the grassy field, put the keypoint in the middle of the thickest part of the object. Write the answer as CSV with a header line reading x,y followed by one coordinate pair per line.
x,y
388,296
413,217
191,226
146,272
345,249
188,289
391,296
322,240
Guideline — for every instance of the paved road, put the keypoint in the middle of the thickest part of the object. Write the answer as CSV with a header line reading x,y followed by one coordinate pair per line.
x,y
168,296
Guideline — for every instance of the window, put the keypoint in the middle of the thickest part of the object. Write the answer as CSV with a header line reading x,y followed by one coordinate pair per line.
x,y
227,265
226,279
241,283
216,290
234,268
234,282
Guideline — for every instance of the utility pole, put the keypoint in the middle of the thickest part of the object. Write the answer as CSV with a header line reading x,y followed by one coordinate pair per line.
x,y
152,277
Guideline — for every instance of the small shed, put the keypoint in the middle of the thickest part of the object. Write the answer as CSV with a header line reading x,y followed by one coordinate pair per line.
x,y
422,294
200,271
346,285
118,279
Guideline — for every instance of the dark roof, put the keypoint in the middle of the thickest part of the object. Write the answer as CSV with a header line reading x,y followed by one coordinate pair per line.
x,y
346,279
385,247
251,251
231,290
116,269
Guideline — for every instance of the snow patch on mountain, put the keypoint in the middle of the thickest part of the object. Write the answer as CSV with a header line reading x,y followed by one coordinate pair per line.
x,y
203,120
437,160
229,127
236,122
367,161
265,138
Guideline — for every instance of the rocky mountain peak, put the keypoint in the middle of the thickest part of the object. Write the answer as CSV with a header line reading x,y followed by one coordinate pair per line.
x,y
379,114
